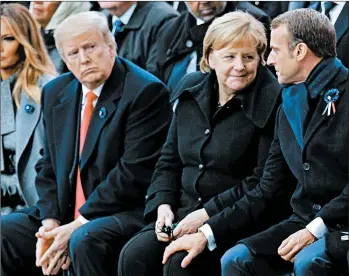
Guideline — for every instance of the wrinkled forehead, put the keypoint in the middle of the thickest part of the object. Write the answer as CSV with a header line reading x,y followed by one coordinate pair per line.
x,y
81,39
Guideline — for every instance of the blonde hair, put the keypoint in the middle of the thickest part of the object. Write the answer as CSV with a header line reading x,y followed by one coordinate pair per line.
x,y
81,23
34,58
229,30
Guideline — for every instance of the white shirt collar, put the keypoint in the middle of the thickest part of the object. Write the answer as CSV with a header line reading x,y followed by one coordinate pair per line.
x,y
199,21
125,18
97,91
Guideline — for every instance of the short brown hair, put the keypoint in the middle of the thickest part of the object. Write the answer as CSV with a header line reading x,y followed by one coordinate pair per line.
x,y
310,27
230,29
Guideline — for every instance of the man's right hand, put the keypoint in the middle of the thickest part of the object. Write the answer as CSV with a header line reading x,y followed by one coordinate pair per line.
x,y
43,244
165,218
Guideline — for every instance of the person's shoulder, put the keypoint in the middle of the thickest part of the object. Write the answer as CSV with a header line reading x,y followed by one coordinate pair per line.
x,y
56,84
137,77
189,81
253,10
160,9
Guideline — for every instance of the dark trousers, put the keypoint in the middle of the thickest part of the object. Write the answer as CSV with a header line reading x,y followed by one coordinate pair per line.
x,y
143,254
94,248
312,260
18,243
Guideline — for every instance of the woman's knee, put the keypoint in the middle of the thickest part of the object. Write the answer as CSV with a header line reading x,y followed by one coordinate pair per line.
x,y
141,255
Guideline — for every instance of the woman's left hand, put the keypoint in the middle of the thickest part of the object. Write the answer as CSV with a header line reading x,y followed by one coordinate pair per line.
x,y
191,223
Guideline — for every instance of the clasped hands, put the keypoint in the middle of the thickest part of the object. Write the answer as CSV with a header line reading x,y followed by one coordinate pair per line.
x,y
52,246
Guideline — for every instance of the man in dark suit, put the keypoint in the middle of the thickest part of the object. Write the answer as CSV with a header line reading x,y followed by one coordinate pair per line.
x,y
179,47
105,124
135,26
310,143
338,13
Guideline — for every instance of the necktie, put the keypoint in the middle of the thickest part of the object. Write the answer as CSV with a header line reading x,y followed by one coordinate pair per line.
x,y
79,195
117,27
327,7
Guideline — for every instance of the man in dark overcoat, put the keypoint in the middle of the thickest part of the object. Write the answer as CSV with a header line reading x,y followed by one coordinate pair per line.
x,y
179,45
105,124
310,143
136,27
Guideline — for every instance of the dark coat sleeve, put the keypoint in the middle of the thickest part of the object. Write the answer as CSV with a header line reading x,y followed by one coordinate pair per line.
x,y
272,184
145,131
45,181
166,181
336,211
229,197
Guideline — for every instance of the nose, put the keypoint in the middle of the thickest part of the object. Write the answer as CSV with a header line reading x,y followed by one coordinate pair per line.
x,y
270,60
239,64
83,56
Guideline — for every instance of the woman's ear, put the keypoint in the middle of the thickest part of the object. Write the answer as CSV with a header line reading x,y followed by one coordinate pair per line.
x,y
211,60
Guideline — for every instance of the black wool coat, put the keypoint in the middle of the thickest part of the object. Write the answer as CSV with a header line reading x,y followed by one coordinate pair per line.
x,y
208,151
139,37
128,127
321,169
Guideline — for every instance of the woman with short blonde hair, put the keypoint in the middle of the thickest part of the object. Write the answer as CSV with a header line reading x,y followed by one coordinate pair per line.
x,y
219,139
25,68
230,29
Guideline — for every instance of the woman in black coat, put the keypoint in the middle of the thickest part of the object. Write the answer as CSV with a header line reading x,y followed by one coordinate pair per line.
x,y
219,138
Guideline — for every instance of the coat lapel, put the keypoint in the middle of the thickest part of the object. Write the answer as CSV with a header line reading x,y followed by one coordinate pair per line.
x,y
104,109
318,119
342,24
66,117
28,115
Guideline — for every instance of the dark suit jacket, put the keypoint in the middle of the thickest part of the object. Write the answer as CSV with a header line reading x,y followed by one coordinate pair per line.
x,y
138,39
321,169
209,151
173,43
127,129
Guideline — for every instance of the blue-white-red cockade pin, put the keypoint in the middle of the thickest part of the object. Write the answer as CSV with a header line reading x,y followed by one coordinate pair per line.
x,y
330,97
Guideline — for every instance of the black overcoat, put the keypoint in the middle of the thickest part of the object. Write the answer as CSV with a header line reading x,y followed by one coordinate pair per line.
x,y
321,169
208,151
127,130
137,40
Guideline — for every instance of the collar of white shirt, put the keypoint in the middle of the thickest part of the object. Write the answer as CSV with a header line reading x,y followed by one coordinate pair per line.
x,y
335,11
125,18
96,91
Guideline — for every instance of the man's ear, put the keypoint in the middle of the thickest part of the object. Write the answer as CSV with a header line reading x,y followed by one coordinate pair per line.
x,y
301,51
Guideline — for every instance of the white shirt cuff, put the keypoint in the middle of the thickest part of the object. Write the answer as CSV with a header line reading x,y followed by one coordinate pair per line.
x,y
317,227
83,220
207,231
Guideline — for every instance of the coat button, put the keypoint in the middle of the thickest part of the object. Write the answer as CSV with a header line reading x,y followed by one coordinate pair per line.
x,y
306,166
29,108
317,207
169,51
338,226
189,43
201,167
207,131
199,199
